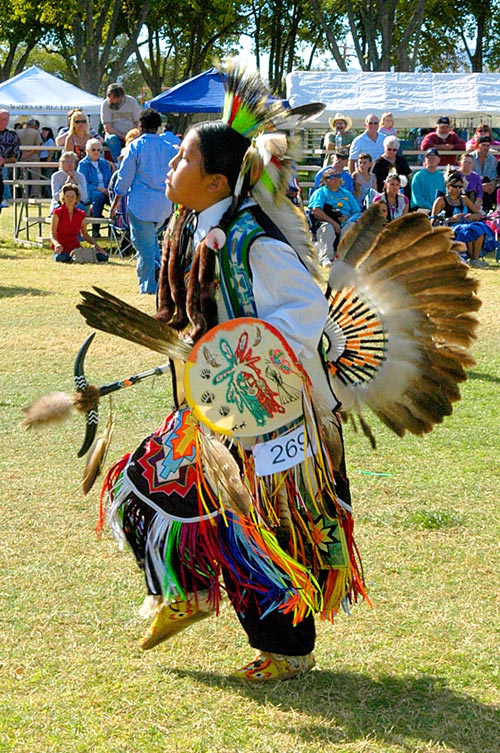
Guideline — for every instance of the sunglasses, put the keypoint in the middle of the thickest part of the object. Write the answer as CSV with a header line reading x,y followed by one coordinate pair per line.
x,y
331,176
373,122
483,130
95,149
391,149
80,121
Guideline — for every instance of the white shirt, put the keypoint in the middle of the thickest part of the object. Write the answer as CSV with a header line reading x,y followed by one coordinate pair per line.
x,y
285,295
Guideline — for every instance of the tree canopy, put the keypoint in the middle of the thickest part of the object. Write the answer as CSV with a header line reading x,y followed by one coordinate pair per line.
x,y
156,43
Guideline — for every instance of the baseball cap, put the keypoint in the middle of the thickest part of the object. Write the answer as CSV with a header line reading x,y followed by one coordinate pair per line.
x,y
484,140
342,154
432,150
443,120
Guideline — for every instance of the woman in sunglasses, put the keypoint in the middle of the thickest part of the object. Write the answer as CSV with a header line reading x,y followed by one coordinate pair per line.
x,y
461,214
78,134
482,130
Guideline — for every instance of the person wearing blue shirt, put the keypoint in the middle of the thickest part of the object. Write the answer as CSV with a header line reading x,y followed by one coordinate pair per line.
x,y
335,208
97,172
141,177
427,184
339,162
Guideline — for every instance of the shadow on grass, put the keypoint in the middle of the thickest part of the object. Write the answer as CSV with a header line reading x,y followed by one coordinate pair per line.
x,y
483,377
11,292
391,709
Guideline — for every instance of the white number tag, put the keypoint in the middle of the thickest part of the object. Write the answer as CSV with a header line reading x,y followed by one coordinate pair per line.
x,y
281,453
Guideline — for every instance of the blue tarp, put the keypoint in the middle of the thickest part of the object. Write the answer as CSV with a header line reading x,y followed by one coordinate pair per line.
x,y
202,93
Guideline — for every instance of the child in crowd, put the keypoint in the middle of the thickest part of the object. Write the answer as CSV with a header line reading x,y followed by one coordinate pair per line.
x,y
387,125
363,179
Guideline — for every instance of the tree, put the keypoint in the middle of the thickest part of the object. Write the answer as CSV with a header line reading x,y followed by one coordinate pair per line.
x,y
20,31
183,40
385,33
95,38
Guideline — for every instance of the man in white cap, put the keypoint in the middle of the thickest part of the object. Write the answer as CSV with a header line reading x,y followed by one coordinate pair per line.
x,y
339,136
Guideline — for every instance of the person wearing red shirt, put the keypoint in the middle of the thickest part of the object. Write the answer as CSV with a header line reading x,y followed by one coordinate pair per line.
x,y
69,226
444,140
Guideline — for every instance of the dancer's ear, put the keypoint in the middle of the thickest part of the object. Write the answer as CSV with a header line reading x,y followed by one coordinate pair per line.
x,y
218,183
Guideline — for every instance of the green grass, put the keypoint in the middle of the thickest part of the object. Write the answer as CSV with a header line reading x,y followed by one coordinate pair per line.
x,y
418,672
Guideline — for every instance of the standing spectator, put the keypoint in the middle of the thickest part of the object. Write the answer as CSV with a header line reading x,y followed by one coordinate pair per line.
x,y
390,160
119,114
9,148
30,136
444,140
387,127
78,134
67,174
47,155
371,141
427,183
474,185
141,176
485,165
339,136
97,172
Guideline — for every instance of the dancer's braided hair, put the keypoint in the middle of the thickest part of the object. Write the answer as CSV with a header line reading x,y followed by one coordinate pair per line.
x,y
186,294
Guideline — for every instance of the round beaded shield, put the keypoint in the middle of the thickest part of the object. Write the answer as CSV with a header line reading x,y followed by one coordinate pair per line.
x,y
243,379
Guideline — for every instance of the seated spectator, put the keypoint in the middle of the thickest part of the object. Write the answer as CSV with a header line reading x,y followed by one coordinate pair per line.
x,y
339,136
460,213
482,130
371,141
169,135
474,190
334,208
391,160
68,226
63,130
363,179
485,165
78,135
444,140
97,172
387,125
67,174
119,114
339,162
427,183
394,203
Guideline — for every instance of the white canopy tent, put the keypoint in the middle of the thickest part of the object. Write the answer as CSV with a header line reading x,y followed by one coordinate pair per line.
x,y
37,94
415,99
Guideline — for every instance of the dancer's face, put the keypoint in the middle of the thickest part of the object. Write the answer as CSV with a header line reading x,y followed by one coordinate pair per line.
x,y
188,183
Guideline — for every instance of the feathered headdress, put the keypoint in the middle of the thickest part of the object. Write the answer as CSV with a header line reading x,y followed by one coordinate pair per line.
x,y
267,165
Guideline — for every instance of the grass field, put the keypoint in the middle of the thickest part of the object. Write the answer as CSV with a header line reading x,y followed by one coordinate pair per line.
x,y
418,672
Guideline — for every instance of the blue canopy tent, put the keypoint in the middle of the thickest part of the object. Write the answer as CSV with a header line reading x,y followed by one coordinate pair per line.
x,y
202,93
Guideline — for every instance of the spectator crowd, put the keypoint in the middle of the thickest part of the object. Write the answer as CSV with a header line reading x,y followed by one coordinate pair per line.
x,y
123,168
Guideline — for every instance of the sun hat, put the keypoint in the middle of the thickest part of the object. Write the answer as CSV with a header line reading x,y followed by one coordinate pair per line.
x,y
340,116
